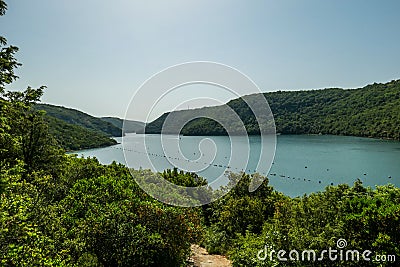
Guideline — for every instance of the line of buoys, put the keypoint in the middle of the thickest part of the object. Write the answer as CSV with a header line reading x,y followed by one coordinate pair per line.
x,y
224,166
294,178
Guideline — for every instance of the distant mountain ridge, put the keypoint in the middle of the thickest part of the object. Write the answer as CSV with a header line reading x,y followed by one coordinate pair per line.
x,y
371,111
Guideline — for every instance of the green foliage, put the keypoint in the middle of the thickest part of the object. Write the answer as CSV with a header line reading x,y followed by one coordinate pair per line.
x,y
75,130
22,240
90,213
156,125
184,179
238,211
34,128
76,117
8,63
24,134
245,249
372,111
75,137
114,221
129,126
366,218
3,7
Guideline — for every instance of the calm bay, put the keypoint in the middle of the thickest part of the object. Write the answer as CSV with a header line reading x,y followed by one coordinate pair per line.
x,y
302,163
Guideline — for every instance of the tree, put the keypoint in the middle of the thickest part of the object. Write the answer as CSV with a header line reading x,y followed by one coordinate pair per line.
x,y
24,134
8,63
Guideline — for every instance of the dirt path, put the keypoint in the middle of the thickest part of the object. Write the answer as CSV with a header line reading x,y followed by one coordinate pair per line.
x,y
201,258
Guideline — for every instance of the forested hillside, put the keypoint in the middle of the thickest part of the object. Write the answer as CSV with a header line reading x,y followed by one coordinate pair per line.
x,y
372,111
80,118
130,126
74,137
76,130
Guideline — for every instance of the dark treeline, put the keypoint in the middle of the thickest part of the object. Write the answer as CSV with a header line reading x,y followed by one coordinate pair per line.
x,y
372,111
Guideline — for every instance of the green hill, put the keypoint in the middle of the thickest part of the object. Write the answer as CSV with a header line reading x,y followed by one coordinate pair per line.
x,y
75,137
130,126
75,130
76,117
371,111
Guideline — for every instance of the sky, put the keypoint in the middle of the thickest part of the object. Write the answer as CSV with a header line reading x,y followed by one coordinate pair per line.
x,y
93,55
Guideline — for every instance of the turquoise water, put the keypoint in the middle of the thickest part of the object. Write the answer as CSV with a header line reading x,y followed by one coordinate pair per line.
x,y
302,163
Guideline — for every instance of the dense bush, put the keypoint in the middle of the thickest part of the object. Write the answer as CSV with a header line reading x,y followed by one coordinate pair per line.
x,y
95,212
366,218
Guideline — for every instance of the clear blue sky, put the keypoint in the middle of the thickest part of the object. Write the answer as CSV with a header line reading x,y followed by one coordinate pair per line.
x,y
94,54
